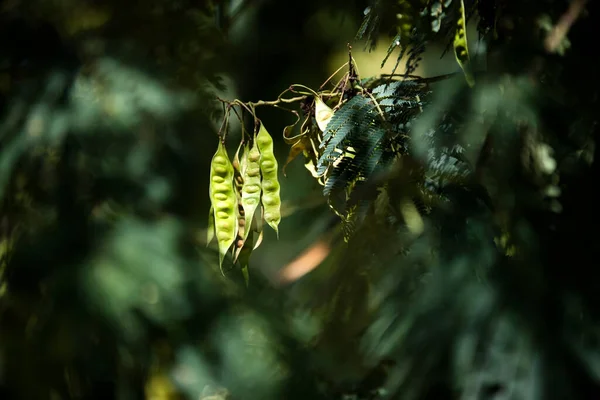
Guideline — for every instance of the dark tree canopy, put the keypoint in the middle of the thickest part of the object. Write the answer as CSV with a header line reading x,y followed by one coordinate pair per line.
x,y
172,228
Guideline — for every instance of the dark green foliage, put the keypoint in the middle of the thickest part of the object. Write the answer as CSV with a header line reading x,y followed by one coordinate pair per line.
x,y
416,23
363,139
495,315
492,293
104,292
355,125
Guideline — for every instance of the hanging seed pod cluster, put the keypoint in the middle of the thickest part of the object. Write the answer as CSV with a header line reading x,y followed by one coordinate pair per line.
x,y
244,193
350,137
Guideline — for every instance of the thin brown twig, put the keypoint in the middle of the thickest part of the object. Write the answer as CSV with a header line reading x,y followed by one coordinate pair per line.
x,y
276,102
223,128
420,78
379,110
332,75
250,104
241,122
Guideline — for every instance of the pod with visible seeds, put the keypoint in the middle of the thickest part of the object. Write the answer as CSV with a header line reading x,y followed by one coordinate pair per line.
x,y
224,201
251,190
271,200
461,49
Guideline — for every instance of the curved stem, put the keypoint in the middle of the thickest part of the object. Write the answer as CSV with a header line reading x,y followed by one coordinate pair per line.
x,y
223,128
420,78
248,107
379,110
244,132
275,102
298,136
310,91
332,75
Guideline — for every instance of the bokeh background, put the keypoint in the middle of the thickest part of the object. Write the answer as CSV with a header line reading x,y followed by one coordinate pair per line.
x,y
109,119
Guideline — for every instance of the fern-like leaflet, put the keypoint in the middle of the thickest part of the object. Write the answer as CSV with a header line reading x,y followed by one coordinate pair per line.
x,y
363,138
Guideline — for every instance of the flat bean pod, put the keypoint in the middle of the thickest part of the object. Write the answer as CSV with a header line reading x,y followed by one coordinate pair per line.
x,y
224,201
251,189
461,48
271,200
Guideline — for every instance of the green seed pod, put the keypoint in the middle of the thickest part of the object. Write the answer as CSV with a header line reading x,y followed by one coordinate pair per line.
x,y
270,185
224,201
251,189
461,48
257,227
